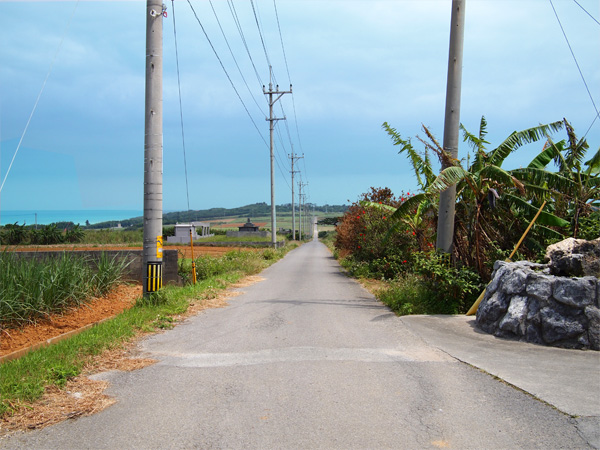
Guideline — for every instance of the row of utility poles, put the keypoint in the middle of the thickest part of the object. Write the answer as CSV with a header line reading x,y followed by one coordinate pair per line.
x,y
153,151
153,142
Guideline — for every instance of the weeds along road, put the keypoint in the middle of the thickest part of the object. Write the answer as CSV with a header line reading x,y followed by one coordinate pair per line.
x,y
306,359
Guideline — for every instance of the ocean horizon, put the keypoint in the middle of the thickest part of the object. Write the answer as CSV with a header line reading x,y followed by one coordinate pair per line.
x,y
45,217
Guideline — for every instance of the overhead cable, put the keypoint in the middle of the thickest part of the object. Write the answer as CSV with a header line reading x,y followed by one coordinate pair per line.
x,y
241,32
187,190
234,58
578,68
227,74
39,95
593,18
260,34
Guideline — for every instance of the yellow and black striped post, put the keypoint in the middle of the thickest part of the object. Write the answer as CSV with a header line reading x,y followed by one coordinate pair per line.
x,y
154,276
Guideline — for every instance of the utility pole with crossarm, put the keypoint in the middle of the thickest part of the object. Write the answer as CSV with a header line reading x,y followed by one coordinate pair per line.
x,y
278,94
294,157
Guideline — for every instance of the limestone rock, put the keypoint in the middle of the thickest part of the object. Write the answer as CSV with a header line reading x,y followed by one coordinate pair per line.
x,y
576,292
514,319
574,257
556,327
593,315
491,309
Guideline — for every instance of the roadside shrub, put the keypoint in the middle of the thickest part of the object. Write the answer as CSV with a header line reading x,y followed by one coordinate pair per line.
x,y
455,287
363,230
408,295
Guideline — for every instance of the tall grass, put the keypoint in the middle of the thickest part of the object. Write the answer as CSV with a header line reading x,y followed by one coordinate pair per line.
x,y
113,237
30,289
23,380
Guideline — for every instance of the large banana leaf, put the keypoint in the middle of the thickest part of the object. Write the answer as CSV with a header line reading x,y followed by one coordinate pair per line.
x,y
421,165
519,138
553,180
543,219
594,163
446,178
550,151
477,143
496,173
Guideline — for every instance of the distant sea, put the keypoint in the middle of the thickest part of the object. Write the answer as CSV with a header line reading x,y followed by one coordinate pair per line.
x,y
42,217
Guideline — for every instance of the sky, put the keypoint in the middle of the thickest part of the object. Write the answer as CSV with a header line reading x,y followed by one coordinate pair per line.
x,y
353,64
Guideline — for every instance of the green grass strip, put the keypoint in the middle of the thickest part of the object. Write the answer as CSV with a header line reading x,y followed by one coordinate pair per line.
x,y
24,379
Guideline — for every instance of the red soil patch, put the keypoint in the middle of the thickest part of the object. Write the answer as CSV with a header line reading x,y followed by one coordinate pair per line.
x,y
115,302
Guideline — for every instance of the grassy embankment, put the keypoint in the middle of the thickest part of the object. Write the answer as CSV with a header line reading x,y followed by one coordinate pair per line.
x,y
23,381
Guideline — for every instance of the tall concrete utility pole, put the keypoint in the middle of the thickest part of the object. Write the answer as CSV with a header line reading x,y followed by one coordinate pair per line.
x,y
301,197
300,210
272,120
153,150
445,228
294,157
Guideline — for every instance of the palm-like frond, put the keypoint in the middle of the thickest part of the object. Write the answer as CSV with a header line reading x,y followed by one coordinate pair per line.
x,y
447,177
379,206
577,148
544,218
550,151
548,233
519,138
594,163
477,143
540,177
408,207
421,166
498,174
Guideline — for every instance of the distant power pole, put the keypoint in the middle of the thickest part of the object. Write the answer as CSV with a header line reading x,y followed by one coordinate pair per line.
x,y
300,198
445,228
300,210
294,157
272,120
153,150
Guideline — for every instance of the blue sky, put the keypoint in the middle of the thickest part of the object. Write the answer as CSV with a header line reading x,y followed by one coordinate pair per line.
x,y
353,64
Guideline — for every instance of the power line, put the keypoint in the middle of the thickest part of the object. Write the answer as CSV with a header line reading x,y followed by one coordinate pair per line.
x,y
227,74
261,38
593,18
187,189
39,95
281,39
578,68
288,72
234,59
240,31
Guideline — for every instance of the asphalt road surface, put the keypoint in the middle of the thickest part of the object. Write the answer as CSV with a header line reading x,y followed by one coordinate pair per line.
x,y
306,359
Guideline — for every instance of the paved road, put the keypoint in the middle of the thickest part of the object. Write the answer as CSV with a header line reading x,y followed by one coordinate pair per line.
x,y
307,359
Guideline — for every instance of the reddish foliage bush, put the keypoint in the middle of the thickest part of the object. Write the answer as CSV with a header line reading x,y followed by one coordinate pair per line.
x,y
362,233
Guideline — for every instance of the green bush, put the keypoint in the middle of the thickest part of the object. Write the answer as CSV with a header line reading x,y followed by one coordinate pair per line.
x,y
455,287
408,295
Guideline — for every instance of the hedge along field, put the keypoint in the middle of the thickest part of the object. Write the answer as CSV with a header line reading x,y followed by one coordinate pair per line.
x,y
31,289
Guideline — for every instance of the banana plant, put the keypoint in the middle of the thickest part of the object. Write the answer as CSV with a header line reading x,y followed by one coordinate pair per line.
x,y
482,183
575,187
